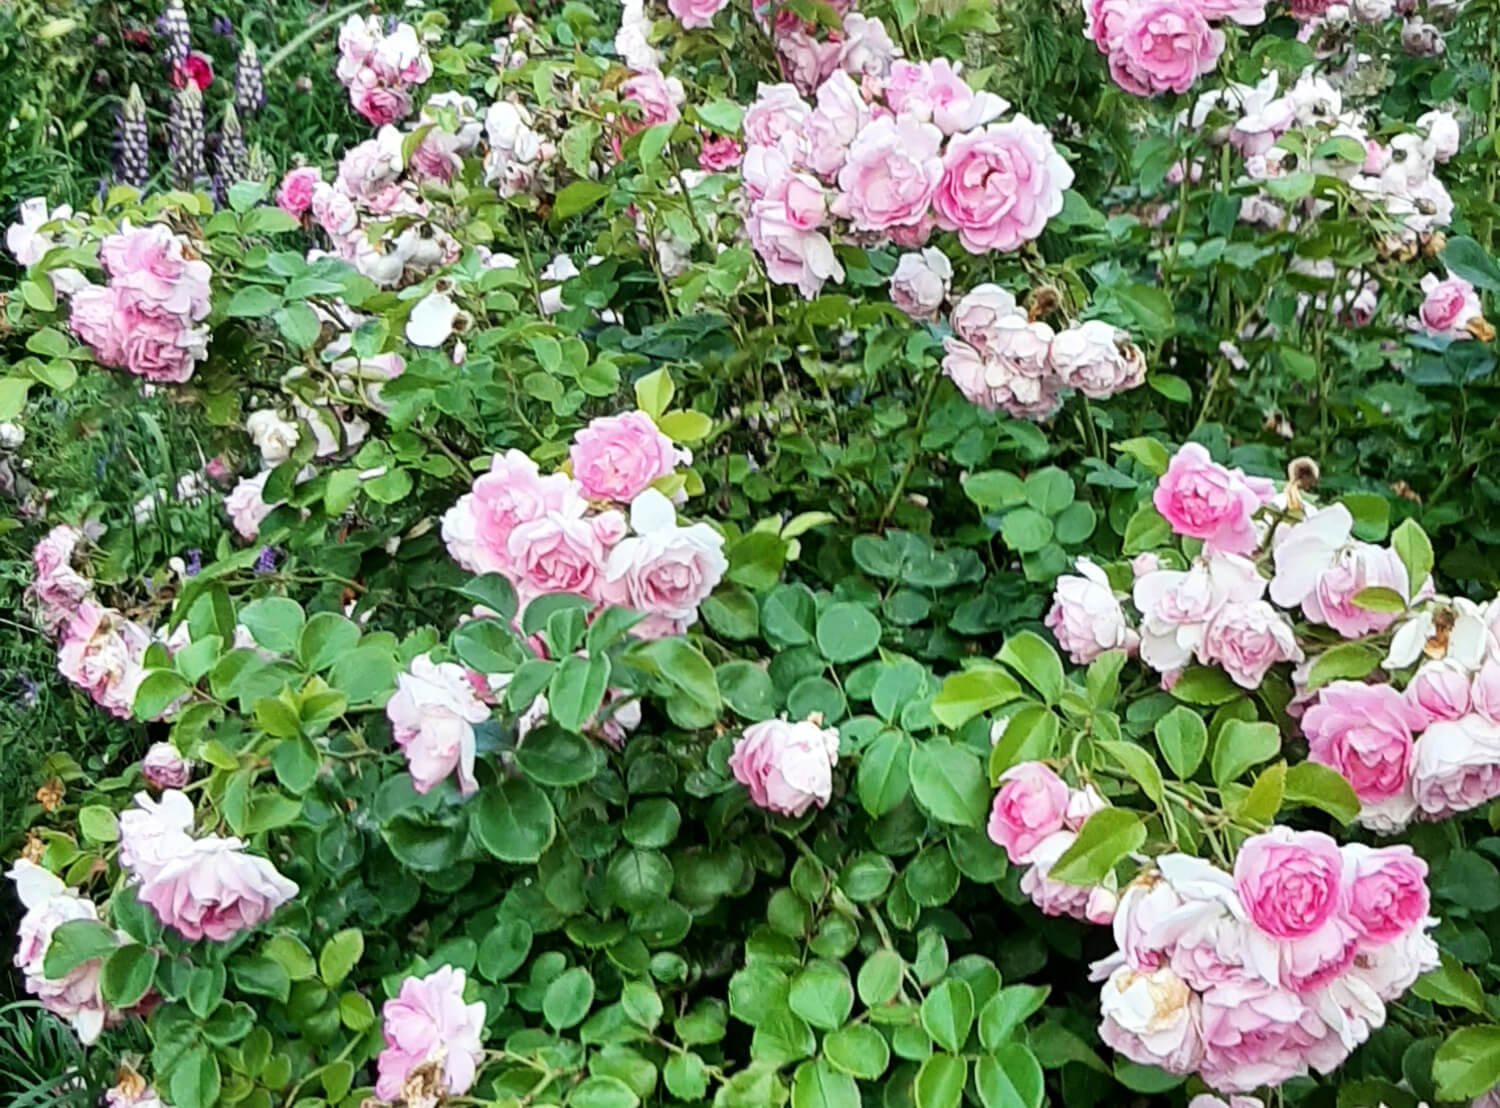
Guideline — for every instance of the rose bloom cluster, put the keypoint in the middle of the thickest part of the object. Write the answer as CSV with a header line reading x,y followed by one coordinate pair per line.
x,y
890,152
380,68
146,318
809,52
786,767
204,887
1253,978
1156,46
568,533
1000,358
1035,818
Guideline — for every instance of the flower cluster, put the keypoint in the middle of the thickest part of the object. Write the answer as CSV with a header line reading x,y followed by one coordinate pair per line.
x,y
562,533
380,69
908,148
1254,978
999,357
808,52
145,319
203,887
786,767
1035,818
1157,46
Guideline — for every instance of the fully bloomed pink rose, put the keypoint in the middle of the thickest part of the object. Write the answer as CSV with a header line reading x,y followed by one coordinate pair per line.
x,y
1158,46
155,832
977,316
558,552
834,124
617,457
657,97
1457,767
1030,806
1289,881
1097,359
379,103
1448,306
477,529
247,506
696,13
805,60
1439,690
719,153
777,118
1385,892
1204,500
1177,606
1365,733
920,283
102,653
95,318
428,1021
1086,617
1151,1018
150,268
57,586
1252,1036
1000,184
433,714
1358,566
890,175
1390,970
214,890
1054,898
664,570
792,255
865,48
1246,640
935,91
159,347
49,904
296,192
787,767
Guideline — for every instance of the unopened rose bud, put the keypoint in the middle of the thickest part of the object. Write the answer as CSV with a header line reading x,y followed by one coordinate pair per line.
x,y
164,768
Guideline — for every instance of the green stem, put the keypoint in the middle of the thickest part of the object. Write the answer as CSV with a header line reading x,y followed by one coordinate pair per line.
x,y
312,32
916,450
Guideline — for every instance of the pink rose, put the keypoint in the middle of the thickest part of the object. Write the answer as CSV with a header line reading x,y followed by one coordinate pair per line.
x,y
920,283
399,58
433,713
890,175
57,586
719,153
1365,733
1439,690
1086,617
379,103
102,653
296,192
159,347
1246,640
935,91
977,316
428,1021
150,269
1448,306
164,768
1204,500
787,767
559,552
1208,1100
1390,970
1358,566
804,60
664,570
657,97
246,505
358,37
334,211
1247,13
834,124
95,319
1314,961
1289,881
866,48
1029,807
1000,185
1457,766
696,13
49,904
1151,1018
1054,898
214,890
1252,1036
617,457
477,529
1385,892
1162,45
792,255
1096,359
1484,689
368,168
155,832
777,118
1176,606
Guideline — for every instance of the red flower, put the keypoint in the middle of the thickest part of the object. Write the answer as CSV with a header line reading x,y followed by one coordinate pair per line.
x,y
197,69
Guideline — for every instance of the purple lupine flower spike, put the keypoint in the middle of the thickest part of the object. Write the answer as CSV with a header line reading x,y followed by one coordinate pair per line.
x,y
185,136
179,36
132,143
249,80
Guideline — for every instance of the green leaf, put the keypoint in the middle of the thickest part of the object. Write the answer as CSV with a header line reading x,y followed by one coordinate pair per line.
x,y
1146,530
195,1079
847,632
879,978
1007,1010
1033,658
724,116
940,1081
252,302
341,953
504,949
822,995
949,783
1377,598
1467,259
1183,739
1453,985
948,1015
603,1091
1310,784
126,975
1049,490
1263,800
274,622
1242,745
568,999
1108,836
1030,735
514,821
1467,1065
1138,765
98,824
1200,685
577,198
158,691
994,489
1010,1077
972,692
1348,661
1026,530
818,1085
76,942
327,637
859,1050
298,324
1414,548
686,1076
641,1004
1149,452
12,396
577,690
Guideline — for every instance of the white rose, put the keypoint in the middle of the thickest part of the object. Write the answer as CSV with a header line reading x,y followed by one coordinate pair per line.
x,y
273,436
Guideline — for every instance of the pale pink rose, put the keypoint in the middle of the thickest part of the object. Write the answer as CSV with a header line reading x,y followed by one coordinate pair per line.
x,y
399,58
1457,766
1439,691
915,236
890,175
1359,566
834,124
787,767
791,255
1083,803
657,97
164,768
1390,970
1208,1100
358,37
1246,640
95,317
57,586
1440,134
477,529
1247,13
1000,184
1385,892
296,192
1029,807
433,713
1161,46
1176,606
102,653
1252,1036
1142,564
920,282
1204,500
159,347
155,832
1101,908
333,211
1289,881
369,167
379,103
719,153
805,60
246,505
1365,733
558,552
1484,689
1086,617
777,118
1104,21
214,890
428,1021
1188,915
802,199
1314,961
152,273
934,91
1151,1018
49,904
977,315
1448,306
696,13
866,48
1012,375
126,1095
664,570
1053,897
1097,359
617,457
